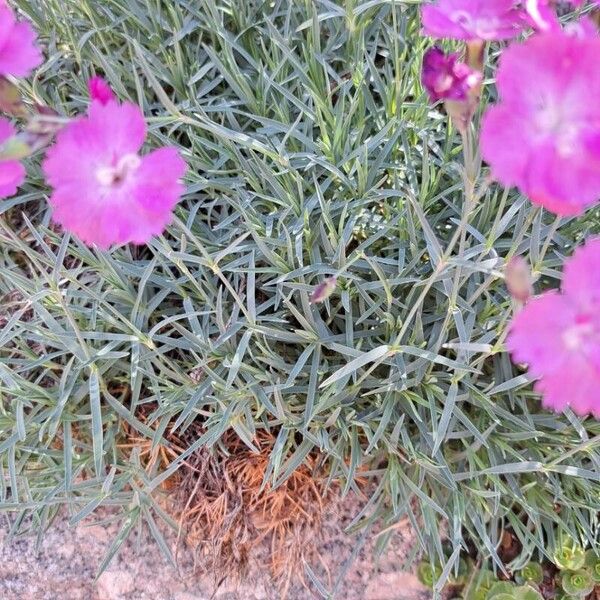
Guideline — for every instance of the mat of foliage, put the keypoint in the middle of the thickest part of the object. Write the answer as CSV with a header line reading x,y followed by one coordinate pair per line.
x,y
313,151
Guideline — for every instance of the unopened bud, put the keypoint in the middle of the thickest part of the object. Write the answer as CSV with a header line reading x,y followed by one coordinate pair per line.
x,y
11,102
475,55
446,78
518,279
323,290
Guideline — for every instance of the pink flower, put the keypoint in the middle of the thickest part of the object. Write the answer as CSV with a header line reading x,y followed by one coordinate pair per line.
x,y
445,78
12,172
19,54
472,19
558,336
99,90
104,191
544,134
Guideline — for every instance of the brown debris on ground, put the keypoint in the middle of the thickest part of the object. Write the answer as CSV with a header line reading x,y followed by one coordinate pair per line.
x,y
231,510
226,509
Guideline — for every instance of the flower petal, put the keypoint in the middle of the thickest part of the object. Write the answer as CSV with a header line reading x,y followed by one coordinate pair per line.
x,y
12,175
19,54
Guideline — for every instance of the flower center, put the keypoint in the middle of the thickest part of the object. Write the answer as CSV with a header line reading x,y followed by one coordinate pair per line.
x,y
117,174
552,122
577,338
463,18
549,117
480,26
444,83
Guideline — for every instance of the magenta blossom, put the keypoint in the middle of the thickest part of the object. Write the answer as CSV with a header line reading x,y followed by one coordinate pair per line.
x,y
12,172
19,54
104,191
544,134
558,335
472,19
445,78
100,90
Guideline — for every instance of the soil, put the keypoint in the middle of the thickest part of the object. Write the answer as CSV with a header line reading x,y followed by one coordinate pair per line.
x,y
64,567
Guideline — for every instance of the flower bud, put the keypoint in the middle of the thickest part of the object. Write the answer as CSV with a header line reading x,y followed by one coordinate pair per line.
x,y
11,102
323,290
518,279
446,78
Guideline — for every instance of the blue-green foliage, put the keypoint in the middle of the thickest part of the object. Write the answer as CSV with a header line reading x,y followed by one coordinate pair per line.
x,y
313,152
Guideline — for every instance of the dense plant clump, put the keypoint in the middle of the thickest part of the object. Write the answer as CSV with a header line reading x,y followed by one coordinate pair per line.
x,y
332,278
